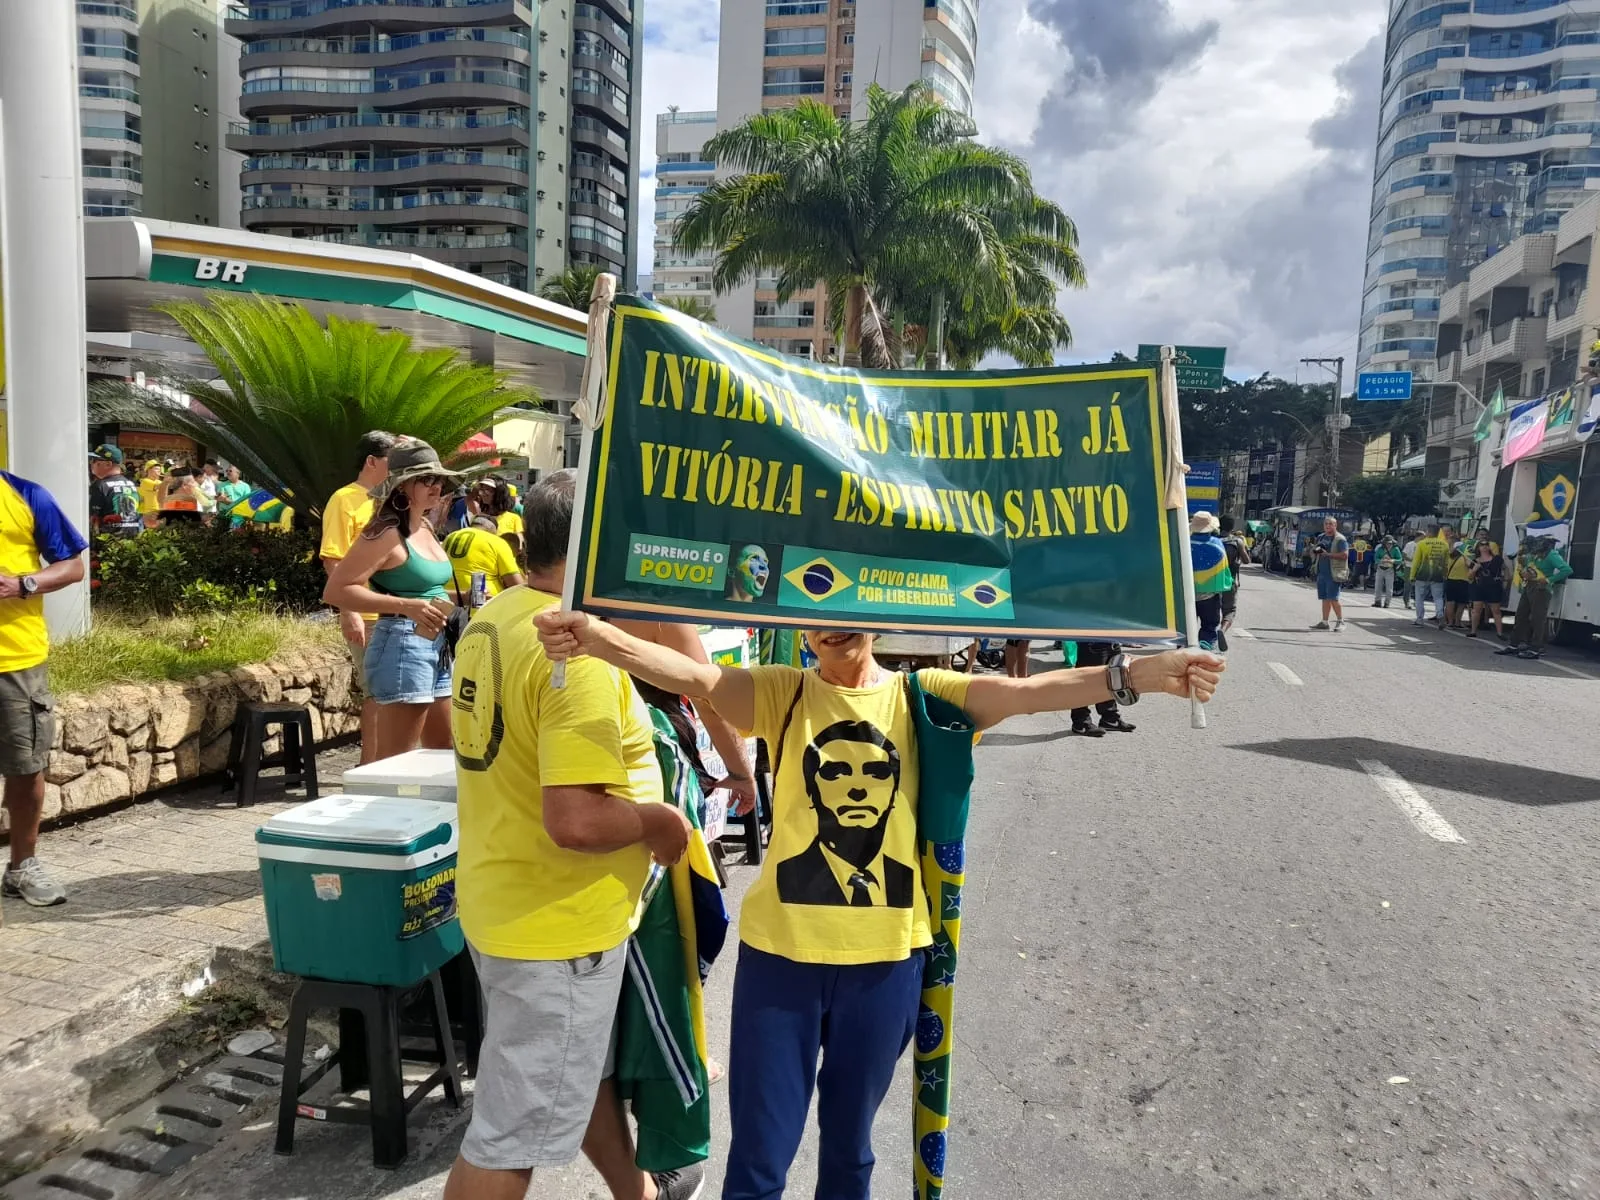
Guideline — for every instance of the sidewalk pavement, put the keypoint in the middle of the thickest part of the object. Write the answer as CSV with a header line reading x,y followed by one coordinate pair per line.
x,y
155,894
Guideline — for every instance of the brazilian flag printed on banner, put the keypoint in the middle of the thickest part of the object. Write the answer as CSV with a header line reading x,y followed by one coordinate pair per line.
x,y
944,760
1557,489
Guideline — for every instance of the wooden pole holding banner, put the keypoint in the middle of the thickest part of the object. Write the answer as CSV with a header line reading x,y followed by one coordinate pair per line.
x,y
590,411
1178,491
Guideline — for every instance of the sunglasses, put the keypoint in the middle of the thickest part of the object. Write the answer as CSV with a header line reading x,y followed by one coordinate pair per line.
x,y
438,481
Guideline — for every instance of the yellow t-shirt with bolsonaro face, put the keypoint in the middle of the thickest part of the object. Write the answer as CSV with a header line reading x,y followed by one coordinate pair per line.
x,y
841,883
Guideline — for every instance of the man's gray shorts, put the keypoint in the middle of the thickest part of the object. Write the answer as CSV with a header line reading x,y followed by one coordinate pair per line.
x,y
27,721
546,1047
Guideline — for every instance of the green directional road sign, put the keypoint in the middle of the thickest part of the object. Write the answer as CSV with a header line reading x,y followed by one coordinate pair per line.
x,y
1198,366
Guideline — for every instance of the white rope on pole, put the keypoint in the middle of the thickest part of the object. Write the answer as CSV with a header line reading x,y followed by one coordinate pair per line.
x,y
590,412
1178,504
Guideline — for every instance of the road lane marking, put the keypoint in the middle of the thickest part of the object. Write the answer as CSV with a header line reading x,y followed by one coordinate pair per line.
x,y
1240,631
1410,801
1406,637
1288,676
1550,662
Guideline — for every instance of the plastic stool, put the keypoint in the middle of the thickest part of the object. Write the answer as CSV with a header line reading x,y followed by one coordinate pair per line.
x,y
298,758
369,1055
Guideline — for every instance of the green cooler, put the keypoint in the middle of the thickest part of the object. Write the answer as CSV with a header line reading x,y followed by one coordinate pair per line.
x,y
361,889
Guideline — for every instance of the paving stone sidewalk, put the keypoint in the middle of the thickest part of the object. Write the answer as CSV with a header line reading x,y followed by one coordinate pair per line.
x,y
155,889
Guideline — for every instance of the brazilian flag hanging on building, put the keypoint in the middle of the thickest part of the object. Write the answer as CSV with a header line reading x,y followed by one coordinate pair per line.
x,y
1557,488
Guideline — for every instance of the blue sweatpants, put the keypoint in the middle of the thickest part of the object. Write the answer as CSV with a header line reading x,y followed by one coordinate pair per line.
x,y
786,1013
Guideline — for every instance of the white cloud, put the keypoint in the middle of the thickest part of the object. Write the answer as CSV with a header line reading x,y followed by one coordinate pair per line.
x,y
1216,155
680,67
1214,201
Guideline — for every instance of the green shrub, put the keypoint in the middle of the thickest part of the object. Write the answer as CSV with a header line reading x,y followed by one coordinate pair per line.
x,y
210,569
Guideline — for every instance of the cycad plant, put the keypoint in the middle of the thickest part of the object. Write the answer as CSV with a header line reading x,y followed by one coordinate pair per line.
x,y
292,396
904,203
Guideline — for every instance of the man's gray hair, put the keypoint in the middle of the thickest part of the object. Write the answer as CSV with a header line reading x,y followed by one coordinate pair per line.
x,y
547,519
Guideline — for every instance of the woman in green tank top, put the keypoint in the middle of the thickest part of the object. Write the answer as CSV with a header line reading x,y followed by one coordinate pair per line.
x,y
399,570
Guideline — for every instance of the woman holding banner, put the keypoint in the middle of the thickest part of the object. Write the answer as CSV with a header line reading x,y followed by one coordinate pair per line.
x,y
835,928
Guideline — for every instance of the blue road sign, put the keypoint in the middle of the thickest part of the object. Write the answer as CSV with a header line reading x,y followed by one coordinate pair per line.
x,y
1205,487
1383,385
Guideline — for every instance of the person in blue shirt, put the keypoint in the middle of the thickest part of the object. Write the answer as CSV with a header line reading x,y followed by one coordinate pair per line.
x,y
1332,554
40,552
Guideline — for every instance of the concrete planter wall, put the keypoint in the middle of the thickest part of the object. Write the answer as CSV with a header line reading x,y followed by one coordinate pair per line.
x,y
129,740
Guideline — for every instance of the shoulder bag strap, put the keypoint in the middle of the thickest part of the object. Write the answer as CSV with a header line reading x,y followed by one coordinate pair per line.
x,y
783,730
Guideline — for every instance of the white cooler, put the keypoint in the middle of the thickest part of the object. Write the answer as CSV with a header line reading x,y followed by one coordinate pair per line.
x,y
420,774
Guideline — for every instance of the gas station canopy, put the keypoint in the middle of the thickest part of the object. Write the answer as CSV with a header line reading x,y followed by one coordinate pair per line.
x,y
132,264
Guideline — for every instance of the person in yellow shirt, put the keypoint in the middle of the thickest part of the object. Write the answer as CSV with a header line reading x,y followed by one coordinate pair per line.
x,y
491,497
479,547
1458,586
40,552
151,485
344,516
834,927
561,812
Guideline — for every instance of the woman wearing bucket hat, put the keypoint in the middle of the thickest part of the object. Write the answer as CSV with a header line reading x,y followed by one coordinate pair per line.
x,y
399,570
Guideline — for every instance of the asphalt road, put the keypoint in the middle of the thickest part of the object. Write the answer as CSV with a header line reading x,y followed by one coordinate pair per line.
x,y
1341,944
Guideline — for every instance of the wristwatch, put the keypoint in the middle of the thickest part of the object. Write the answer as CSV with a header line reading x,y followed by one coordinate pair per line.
x,y
1118,681
29,585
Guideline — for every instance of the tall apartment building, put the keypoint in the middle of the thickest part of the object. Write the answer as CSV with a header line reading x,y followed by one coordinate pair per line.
x,y
389,124
682,173
156,82
499,136
773,52
1487,131
588,136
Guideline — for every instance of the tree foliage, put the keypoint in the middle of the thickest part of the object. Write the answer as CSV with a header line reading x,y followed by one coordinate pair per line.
x,y
573,287
291,396
1247,413
888,213
1391,500
693,306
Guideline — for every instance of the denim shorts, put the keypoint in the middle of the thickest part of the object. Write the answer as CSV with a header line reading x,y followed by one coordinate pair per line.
x,y
403,668
1327,589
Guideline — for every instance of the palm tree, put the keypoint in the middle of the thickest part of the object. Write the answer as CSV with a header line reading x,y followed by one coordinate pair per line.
x,y
1029,335
292,397
693,306
572,287
859,206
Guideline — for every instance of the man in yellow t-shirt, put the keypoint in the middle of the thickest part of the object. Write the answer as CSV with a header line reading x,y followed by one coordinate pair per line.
x,y
152,483
40,552
344,516
561,813
833,936
479,547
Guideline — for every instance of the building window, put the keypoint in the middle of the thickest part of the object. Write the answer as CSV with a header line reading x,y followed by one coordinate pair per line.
x,y
805,40
792,81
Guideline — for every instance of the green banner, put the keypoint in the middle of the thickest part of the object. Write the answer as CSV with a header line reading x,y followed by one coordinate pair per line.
x,y
731,484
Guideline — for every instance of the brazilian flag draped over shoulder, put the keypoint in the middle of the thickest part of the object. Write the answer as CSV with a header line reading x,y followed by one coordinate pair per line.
x,y
728,483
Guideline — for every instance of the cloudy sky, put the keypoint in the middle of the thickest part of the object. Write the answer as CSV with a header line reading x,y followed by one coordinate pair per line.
x,y
1216,155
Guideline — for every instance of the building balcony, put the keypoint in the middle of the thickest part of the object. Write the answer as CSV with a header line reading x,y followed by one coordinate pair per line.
x,y
120,98
333,130
443,247
1567,317
594,20
110,11
1449,368
362,48
595,132
272,18
606,64
432,167
420,88
1524,261
434,208
1512,341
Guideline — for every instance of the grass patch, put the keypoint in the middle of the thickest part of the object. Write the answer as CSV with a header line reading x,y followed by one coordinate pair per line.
x,y
156,650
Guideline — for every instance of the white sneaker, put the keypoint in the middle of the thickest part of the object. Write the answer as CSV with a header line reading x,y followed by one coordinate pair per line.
x,y
31,881
1337,626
